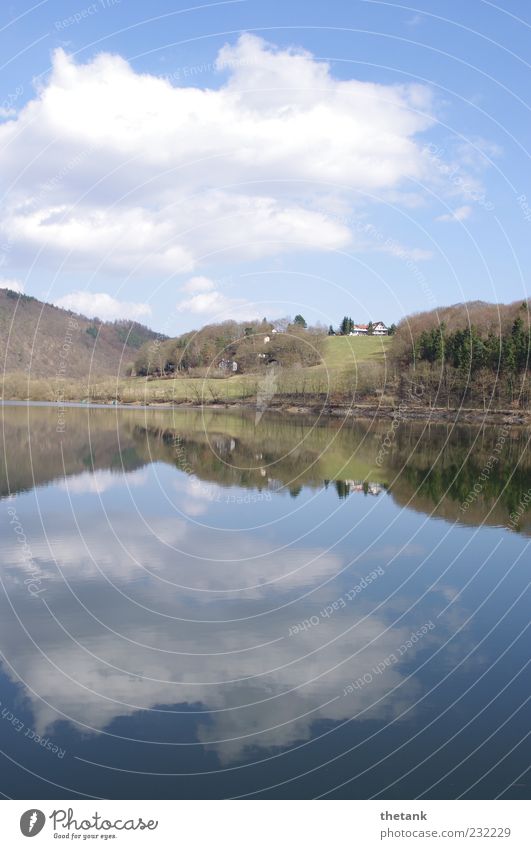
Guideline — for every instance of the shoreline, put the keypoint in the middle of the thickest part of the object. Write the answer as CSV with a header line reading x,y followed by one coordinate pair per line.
x,y
431,415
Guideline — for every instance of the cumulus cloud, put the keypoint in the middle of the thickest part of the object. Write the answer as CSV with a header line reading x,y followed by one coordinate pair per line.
x,y
207,300
11,283
216,305
198,284
103,306
459,214
126,169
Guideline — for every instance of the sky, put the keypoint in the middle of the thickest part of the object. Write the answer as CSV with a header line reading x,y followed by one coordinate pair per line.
x,y
181,164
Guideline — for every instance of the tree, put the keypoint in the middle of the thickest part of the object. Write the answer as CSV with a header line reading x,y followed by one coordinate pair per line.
x,y
391,330
300,321
331,331
342,488
370,328
509,354
346,325
282,324
520,339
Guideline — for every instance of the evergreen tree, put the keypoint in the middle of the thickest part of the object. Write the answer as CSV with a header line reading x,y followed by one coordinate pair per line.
x,y
439,342
520,340
346,325
342,488
508,355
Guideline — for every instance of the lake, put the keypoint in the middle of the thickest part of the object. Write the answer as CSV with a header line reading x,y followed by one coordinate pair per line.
x,y
211,604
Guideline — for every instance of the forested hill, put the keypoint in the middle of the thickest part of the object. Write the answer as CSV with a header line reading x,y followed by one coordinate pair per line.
x,y
45,341
475,353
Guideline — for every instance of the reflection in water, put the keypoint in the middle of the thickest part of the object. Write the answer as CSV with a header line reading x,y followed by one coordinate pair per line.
x,y
226,607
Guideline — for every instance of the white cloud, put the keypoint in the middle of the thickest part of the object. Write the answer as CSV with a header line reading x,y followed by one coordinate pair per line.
x,y
219,306
198,284
207,300
124,168
103,306
459,214
14,285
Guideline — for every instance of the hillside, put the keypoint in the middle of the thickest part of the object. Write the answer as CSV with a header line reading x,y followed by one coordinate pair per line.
x,y
345,352
45,341
487,319
254,346
251,346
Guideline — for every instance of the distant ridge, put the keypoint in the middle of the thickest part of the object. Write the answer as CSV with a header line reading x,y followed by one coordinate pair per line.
x,y
43,340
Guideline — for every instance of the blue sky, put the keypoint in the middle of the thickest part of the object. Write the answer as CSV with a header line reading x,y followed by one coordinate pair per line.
x,y
182,164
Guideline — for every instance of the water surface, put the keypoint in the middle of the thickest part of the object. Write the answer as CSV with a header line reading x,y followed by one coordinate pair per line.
x,y
196,604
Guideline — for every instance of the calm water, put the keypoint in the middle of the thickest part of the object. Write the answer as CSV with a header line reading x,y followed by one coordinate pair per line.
x,y
204,606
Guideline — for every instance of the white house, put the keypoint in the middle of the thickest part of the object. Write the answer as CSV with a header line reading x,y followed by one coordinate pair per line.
x,y
379,329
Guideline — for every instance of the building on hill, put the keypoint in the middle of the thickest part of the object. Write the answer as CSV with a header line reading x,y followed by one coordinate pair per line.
x,y
378,329
228,365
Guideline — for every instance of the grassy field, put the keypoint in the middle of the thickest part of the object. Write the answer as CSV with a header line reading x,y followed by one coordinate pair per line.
x,y
343,352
